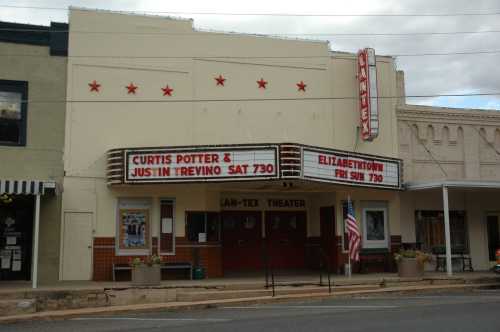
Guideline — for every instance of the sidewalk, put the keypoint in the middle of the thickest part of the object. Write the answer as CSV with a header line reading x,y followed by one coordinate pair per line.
x,y
66,314
255,280
66,299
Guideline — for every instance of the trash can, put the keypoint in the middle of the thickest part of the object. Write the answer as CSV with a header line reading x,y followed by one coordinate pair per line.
x,y
198,273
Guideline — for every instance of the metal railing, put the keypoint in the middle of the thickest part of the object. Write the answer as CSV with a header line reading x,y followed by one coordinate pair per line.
x,y
324,261
325,266
269,271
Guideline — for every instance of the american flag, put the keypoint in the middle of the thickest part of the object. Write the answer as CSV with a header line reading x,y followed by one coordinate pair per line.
x,y
352,233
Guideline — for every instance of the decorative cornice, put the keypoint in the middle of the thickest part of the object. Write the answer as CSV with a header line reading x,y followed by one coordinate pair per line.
x,y
444,114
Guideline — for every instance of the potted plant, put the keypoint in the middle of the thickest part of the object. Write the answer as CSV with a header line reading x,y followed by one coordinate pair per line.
x,y
146,272
411,263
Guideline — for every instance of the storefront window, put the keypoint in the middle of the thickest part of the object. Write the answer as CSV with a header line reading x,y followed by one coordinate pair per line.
x,y
13,112
429,226
375,228
202,226
133,227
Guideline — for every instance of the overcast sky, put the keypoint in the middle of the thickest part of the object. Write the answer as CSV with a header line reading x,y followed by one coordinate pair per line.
x,y
457,74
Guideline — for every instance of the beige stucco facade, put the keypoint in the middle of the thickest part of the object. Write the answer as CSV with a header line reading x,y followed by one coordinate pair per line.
x,y
158,51
41,157
445,144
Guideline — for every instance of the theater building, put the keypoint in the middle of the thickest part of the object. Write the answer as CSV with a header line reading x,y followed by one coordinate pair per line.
x,y
174,148
33,68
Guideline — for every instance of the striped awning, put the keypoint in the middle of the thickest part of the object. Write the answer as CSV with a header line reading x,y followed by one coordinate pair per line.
x,y
25,187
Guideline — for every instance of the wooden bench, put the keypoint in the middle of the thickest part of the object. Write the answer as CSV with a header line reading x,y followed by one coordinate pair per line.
x,y
164,266
120,267
179,266
377,259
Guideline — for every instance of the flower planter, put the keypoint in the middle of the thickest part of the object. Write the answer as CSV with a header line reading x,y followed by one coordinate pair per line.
x,y
144,275
410,268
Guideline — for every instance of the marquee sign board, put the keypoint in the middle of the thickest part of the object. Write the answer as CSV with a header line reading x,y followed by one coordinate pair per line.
x,y
355,169
368,94
218,163
247,162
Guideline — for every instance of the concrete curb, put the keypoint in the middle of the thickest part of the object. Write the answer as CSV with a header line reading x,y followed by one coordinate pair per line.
x,y
173,306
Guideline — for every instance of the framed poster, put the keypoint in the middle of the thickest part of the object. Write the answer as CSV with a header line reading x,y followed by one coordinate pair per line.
x,y
375,225
134,229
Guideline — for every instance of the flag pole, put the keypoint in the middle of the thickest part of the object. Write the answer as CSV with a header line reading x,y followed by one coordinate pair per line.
x,y
349,272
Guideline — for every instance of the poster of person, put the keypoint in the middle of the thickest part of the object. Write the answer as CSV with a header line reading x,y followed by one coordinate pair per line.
x,y
375,225
134,229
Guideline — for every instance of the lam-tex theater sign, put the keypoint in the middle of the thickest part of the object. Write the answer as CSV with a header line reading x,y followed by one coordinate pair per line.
x,y
250,162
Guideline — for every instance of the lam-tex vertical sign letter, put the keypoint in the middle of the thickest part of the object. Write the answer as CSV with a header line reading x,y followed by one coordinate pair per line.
x,y
368,95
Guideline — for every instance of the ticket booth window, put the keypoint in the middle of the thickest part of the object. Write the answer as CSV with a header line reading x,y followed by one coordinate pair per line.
x,y
202,226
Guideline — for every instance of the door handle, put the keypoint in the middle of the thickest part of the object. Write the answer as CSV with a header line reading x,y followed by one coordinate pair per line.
x,y
89,247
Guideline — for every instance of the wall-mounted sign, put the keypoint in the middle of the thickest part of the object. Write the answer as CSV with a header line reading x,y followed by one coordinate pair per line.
x,y
201,164
368,94
340,167
236,202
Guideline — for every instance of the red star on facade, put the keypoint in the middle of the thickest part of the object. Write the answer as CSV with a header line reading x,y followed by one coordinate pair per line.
x,y
220,80
167,91
94,86
131,88
262,83
302,86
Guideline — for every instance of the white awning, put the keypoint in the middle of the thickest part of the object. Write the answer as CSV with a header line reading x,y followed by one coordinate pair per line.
x,y
25,187
464,184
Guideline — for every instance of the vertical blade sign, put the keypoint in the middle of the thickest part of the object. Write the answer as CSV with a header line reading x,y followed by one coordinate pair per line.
x,y
368,95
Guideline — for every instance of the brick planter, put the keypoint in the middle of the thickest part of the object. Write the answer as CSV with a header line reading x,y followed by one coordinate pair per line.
x,y
144,275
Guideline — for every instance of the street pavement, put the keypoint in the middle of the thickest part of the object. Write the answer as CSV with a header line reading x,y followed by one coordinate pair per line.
x,y
474,310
